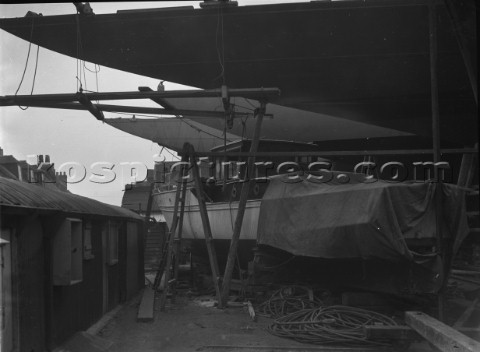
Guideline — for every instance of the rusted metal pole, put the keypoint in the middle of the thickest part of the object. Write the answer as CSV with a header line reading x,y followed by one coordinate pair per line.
x,y
242,203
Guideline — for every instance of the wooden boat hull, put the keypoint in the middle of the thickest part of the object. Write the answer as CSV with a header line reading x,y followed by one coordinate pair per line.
x,y
221,216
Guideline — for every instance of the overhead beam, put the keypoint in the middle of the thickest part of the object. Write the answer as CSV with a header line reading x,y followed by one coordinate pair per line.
x,y
140,110
27,100
442,336
340,152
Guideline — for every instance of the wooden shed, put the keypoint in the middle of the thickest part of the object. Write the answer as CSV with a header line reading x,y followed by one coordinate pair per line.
x,y
68,260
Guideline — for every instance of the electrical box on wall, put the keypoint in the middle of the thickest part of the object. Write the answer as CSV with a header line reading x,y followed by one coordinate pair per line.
x,y
68,253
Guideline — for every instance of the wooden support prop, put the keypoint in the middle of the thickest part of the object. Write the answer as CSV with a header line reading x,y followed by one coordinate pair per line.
x,y
445,338
178,239
442,243
249,179
207,231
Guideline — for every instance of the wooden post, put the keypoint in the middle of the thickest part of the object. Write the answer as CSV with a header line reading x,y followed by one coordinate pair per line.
x,y
443,337
249,179
205,221
432,21
178,239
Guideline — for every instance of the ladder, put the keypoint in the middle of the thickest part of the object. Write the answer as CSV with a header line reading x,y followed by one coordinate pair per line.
x,y
173,242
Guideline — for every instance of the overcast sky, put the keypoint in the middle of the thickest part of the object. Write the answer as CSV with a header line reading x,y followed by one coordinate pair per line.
x,y
72,136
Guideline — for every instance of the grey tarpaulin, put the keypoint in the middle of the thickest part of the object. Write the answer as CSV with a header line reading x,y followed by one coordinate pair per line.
x,y
358,219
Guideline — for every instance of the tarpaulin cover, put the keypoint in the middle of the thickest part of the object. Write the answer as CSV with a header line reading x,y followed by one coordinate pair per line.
x,y
358,219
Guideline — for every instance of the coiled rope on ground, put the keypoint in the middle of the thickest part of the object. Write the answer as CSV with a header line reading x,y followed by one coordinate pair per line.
x,y
332,325
288,300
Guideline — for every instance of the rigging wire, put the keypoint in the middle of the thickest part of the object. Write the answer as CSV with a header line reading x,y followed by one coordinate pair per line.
x,y
26,65
175,156
35,72
221,56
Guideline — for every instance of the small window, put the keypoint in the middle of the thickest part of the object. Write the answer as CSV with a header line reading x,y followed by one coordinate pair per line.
x,y
112,243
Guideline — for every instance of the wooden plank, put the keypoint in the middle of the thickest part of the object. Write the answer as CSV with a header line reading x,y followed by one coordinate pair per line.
x,y
445,338
399,332
146,308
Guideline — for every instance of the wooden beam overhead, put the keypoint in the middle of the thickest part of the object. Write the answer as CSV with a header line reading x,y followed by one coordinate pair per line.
x,y
340,152
139,110
28,100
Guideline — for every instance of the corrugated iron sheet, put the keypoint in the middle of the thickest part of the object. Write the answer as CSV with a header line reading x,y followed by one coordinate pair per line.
x,y
15,193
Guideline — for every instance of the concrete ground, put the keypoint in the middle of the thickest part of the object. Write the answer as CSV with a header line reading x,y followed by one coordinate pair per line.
x,y
190,325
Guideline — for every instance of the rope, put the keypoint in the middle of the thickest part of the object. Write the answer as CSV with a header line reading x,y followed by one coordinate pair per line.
x,y
288,300
221,56
333,325
26,65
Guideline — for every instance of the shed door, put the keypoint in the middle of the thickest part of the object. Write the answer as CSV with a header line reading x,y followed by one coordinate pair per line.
x,y
132,259
6,321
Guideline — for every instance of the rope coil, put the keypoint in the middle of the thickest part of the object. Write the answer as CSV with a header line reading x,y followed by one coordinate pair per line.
x,y
333,325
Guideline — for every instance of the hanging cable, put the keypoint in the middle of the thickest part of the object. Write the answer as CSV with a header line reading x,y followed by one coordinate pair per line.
x,y
26,64
221,55
80,65
35,72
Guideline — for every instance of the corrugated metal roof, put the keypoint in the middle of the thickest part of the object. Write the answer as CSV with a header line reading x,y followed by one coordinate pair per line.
x,y
19,194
